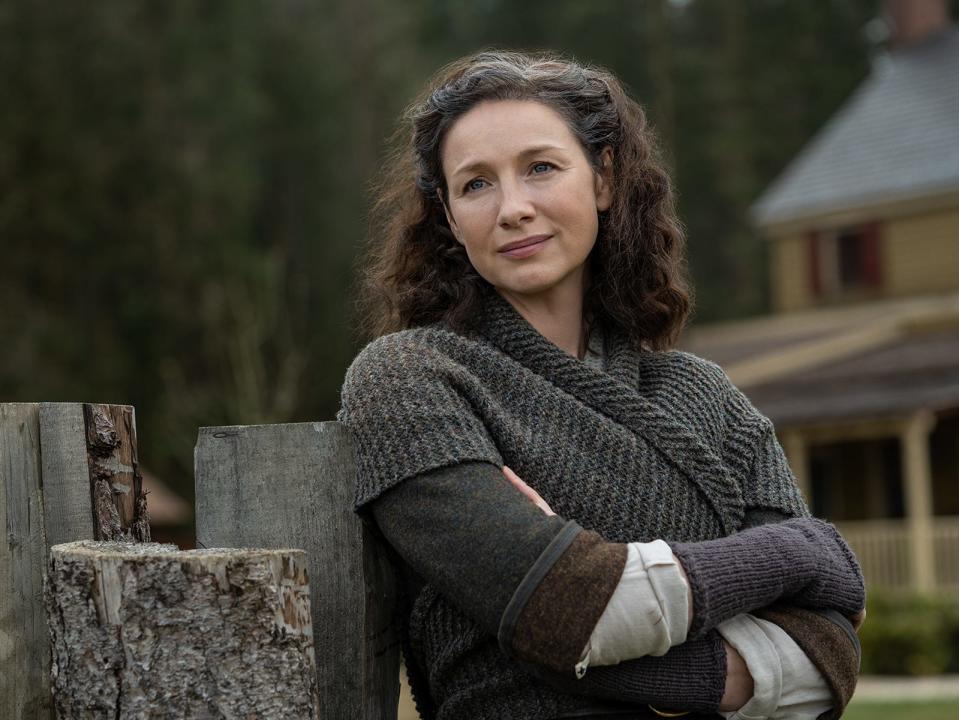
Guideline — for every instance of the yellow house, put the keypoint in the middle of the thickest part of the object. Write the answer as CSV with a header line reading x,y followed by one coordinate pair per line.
x,y
858,367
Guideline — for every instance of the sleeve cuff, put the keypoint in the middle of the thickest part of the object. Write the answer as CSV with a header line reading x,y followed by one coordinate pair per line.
x,y
549,618
534,576
830,643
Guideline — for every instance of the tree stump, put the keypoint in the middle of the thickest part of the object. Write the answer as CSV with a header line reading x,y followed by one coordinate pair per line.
x,y
146,630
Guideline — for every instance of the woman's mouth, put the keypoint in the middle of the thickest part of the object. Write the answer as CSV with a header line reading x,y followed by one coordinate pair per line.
x,y
525,247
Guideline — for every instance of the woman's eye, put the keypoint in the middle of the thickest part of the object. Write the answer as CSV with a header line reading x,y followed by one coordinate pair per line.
x,y
474,184
545,167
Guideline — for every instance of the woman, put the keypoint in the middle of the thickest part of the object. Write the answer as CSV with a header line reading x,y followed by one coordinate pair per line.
x,y
589,525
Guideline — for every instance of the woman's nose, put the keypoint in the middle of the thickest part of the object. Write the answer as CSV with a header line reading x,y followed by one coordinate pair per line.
x,y
515,206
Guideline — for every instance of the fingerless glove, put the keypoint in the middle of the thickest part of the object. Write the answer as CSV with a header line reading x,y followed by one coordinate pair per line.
x,y
803,561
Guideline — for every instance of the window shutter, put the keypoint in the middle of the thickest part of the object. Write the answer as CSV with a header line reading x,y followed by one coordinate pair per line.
x,y
871,256
815,279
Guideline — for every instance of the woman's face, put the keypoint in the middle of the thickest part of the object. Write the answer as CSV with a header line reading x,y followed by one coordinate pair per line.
x,y
516,175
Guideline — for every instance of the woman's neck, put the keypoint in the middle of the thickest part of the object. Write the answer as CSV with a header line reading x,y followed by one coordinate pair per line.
x,y
557,316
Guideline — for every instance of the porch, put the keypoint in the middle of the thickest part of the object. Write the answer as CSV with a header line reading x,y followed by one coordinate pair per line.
x,y
892,488
885,550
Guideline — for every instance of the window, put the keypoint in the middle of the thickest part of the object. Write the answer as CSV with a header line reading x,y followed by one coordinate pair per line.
x,y
857,479
845,260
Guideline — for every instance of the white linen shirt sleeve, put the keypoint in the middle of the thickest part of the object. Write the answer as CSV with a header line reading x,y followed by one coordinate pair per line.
x,y
647,613
787,686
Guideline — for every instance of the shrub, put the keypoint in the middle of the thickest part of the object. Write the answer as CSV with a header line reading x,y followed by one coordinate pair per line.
x,y
910,634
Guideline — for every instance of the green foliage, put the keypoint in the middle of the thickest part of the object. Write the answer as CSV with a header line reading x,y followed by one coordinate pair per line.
x,y
177,225
931,710
910,635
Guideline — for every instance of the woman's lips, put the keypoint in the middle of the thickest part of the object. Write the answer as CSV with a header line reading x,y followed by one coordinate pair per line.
x,y
526,250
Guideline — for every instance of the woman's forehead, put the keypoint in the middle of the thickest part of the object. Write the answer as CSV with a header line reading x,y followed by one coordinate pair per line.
x,y
501,130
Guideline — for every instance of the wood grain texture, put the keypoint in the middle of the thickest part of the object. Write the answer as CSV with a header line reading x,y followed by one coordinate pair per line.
x,y
292,486
67,512
145,630
24,653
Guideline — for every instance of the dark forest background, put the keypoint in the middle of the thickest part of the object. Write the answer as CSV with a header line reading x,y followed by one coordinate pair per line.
x,y
184,185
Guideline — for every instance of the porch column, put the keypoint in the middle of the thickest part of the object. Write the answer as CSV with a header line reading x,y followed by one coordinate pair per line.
x,y
916,474
797,453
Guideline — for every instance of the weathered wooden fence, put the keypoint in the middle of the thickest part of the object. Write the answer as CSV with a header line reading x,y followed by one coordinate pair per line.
x,y
291,486
69,472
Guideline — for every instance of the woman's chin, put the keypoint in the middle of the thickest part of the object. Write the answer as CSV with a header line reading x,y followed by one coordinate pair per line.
x,y
529,288
537,282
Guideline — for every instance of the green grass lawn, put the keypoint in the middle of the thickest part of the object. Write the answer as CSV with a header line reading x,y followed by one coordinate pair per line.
x,y
938,710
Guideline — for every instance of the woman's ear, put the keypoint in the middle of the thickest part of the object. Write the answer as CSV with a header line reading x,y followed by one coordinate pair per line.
x,y
449,215
603,180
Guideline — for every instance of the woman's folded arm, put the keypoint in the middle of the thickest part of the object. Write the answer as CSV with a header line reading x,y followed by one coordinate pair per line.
x,y
485,547
540,584
801,663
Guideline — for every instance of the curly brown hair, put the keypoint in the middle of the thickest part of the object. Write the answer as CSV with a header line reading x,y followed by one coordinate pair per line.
x,y
414,272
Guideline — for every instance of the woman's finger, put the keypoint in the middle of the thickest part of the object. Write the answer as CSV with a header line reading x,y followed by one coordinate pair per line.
x,y
858,619
527,491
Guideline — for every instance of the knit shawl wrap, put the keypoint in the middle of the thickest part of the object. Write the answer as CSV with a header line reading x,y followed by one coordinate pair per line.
x,y
656,445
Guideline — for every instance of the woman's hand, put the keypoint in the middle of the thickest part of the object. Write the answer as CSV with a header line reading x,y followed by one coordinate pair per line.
x,y
858,619
527,491
739,682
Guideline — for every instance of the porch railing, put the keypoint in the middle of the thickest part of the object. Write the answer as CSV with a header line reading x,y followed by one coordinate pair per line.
x,y
882,547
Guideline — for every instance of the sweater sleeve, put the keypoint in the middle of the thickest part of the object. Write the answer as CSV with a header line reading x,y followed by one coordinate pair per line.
x,y
407,414
522,577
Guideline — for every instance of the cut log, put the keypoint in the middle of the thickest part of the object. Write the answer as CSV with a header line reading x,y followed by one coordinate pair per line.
x,y
141,629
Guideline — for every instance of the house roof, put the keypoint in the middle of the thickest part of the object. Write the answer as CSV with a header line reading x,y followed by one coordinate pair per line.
x,y
858,362
896,138
899,377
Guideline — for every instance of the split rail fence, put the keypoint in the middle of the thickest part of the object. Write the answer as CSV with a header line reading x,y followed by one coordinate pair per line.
x,y
284,609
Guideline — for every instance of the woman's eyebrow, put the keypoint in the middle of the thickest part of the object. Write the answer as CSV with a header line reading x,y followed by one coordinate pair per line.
x,y
533,150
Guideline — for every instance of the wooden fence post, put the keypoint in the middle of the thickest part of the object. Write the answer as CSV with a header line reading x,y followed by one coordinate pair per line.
x,y
292,486
53,458
24,684
146,630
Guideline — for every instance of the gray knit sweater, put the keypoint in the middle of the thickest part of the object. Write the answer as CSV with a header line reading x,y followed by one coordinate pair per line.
x,y
659,445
